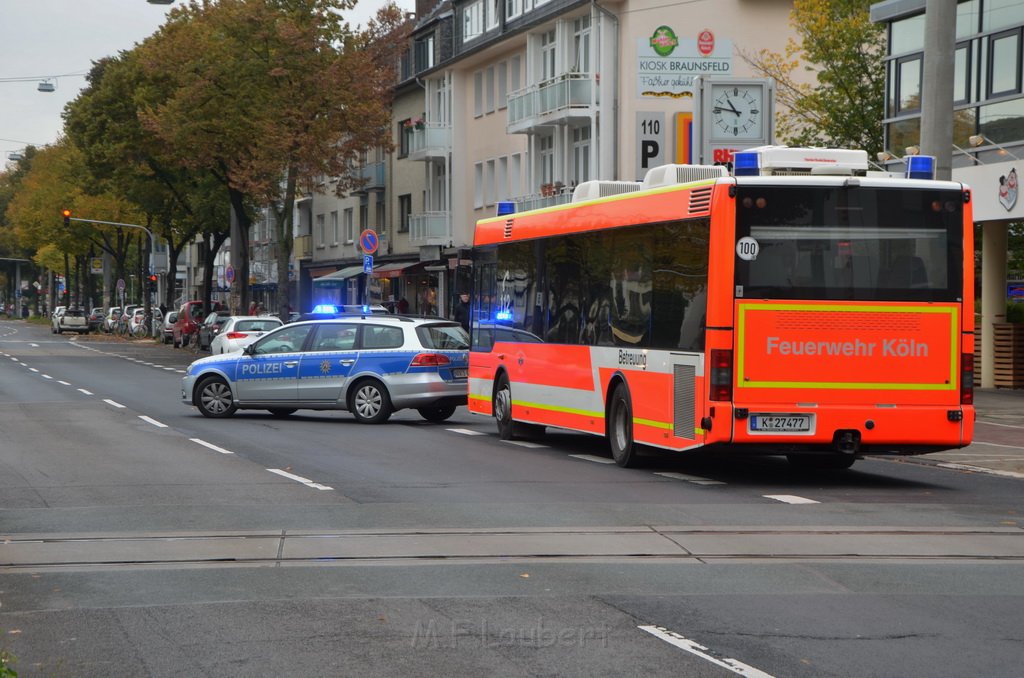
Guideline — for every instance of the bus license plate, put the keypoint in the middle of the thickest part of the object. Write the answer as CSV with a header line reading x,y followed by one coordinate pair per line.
x,y
460,372
781,423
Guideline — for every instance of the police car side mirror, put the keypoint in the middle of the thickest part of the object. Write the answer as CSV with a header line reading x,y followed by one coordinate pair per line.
x,y
249,350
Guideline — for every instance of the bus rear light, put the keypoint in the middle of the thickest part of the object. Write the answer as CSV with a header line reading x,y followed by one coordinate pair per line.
x,y
429,360
966,378
721,374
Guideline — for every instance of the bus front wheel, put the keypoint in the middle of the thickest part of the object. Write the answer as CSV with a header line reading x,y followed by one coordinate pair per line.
x,y
620,428
503,409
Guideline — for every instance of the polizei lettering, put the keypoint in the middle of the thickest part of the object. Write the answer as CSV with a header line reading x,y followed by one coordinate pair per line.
x,y
261,368
891,348
632,358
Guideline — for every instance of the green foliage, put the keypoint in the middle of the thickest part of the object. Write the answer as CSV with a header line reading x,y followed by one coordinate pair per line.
x,y
844,50
6,664
1015,312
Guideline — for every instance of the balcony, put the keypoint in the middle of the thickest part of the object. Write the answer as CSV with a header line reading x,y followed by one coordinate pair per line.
x,y
430,228
431,142
555,101
374,175
549,196
302,247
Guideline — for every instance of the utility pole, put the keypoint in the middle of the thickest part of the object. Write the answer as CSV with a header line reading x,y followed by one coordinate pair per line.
x,y
937,85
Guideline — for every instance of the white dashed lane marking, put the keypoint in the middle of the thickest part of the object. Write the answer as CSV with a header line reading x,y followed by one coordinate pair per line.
x,y
466,431
790,499
695,648
696,480
152,421
590,457
305,481
523,443
82,390
114,404
210,446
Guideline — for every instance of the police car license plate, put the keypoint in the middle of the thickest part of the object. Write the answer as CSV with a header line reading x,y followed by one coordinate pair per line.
x,y
460,372
781,423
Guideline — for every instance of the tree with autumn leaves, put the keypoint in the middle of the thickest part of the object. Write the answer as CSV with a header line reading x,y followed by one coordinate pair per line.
x,y
845,50
238,103
269,95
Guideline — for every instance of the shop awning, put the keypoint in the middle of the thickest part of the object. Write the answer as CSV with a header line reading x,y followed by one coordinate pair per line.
x,y
321,271
394,269
338,278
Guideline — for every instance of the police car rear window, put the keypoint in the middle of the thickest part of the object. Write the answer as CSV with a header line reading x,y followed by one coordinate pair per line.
x,y
443,337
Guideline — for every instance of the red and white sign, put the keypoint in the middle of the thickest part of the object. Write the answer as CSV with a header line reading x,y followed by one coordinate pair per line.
x,y
706,42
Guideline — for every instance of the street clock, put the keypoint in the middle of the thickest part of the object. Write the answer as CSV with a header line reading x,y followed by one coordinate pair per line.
x,y
732,114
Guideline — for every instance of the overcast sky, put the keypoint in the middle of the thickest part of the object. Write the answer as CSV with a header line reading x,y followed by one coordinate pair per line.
x,y
40,38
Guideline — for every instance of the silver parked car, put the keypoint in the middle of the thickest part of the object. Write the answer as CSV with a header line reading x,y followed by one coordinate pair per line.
x,y
239,331
370,366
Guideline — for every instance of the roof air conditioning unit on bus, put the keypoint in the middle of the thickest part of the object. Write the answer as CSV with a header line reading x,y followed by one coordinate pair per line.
x,y
669,175
591,190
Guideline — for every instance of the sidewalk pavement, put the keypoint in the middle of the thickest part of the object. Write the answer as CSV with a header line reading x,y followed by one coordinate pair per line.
x,y
998,446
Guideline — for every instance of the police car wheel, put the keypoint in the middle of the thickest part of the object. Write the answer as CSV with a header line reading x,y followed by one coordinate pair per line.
x,y
214,398
620,427
370,403
436,414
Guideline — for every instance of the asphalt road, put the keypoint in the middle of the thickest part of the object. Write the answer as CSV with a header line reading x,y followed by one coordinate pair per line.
x,y
140,538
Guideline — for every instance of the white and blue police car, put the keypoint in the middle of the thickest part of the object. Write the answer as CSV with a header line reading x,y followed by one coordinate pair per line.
x,y
369,365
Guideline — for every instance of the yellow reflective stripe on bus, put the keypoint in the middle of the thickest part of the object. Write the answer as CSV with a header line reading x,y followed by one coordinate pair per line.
x,y
652,423
556,408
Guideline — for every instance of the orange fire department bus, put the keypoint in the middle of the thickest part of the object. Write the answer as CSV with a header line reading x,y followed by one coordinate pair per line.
x,y
803,306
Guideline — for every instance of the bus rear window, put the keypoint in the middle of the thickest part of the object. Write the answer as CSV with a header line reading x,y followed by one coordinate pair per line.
x,y
850,243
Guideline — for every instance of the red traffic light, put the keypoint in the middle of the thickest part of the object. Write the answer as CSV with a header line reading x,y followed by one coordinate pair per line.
x,y
152,278
66,212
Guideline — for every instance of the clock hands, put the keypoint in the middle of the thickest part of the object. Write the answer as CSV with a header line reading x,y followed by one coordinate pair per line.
x,y
731,109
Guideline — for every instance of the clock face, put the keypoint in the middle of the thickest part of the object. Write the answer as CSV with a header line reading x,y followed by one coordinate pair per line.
x,y
737,112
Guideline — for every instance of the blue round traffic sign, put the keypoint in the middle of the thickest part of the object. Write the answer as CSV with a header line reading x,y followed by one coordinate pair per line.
x,y
368,241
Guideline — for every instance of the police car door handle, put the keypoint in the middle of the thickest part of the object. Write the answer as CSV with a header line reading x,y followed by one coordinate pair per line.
x,y
291,363
346,362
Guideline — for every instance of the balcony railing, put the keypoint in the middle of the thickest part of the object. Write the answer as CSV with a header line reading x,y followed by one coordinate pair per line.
x,y
430,228
551,99
549,196
374,175
302,248
434,140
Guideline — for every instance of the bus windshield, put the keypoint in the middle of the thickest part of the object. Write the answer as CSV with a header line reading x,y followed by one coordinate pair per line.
x,y
849,243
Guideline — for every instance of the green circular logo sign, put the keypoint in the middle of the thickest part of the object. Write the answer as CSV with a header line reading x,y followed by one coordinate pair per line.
x,y
664,41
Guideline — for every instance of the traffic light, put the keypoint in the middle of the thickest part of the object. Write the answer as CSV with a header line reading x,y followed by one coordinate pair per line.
x,y
152,282
67,216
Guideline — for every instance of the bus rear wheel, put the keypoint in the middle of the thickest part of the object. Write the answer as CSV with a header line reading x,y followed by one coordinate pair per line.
x,y
620,427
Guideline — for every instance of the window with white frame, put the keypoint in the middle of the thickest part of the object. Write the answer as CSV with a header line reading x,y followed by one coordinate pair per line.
x,y
334,227
321,235
502,85
349,225
492,14
364,216
489,190
489,89
473,21
514,73
581,44
478,94
404,212
546,146
501,178
515,175
547,55
581,154
478,184
513,8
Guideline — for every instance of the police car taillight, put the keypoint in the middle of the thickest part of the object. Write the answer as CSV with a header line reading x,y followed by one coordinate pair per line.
x,y
429,360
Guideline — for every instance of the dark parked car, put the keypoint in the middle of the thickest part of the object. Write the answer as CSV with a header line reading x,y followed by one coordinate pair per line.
x,y
96,319
210,328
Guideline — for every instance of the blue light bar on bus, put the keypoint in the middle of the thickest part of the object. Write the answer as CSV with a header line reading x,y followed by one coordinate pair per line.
x,y
920,166
506,207
746,164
